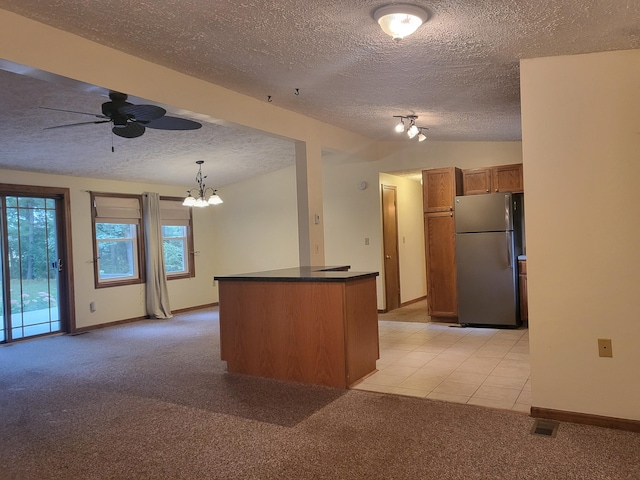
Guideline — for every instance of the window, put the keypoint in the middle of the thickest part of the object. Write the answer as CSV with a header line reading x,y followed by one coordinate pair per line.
x,y
117,234
177,238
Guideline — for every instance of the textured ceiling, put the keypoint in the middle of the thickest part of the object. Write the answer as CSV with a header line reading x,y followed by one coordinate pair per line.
x,y
459,73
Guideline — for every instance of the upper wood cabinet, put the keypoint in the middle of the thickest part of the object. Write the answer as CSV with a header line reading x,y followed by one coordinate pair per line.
x,y
439,188
502,178
476,181
507,178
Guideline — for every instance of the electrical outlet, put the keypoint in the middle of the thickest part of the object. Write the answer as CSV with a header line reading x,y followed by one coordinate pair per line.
x,y
366,240
604,347
92,307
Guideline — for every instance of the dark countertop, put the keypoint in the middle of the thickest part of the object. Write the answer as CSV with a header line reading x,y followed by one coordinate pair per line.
x,y
301,274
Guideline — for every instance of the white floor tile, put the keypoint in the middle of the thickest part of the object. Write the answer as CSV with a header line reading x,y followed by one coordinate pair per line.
x,y
480,366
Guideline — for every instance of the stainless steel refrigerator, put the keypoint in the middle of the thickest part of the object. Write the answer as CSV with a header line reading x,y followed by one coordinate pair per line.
x,y
487,246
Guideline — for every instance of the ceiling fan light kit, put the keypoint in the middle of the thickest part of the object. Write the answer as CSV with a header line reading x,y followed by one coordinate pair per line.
x,y
400,20
201,196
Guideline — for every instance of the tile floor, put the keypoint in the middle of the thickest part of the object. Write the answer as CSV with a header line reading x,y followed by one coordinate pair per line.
x,y
480,366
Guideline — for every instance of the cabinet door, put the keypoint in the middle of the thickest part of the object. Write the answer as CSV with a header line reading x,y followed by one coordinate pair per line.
x,y
441,264
508,178
439,188
476,181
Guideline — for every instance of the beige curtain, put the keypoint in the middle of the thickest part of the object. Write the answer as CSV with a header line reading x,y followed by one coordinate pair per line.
x,y
157,294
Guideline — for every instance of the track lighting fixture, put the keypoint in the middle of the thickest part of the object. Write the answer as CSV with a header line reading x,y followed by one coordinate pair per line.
x,y
413,129
201,196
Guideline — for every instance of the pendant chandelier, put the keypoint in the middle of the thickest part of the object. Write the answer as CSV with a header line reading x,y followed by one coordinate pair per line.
x,y
201,196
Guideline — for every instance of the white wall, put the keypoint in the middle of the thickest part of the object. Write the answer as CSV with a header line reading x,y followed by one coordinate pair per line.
x,y
408,155
257,228
350,216
581,150
122,302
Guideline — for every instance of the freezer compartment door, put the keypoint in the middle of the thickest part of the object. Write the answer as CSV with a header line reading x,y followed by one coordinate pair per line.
x,y
484,213
487,279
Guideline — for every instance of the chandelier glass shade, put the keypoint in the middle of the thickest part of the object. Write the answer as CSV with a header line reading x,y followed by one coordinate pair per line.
x,y
201,196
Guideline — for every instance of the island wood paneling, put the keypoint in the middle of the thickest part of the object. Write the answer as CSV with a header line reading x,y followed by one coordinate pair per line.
x,y
322,333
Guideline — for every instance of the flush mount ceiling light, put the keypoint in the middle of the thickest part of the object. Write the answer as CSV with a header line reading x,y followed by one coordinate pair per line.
x,y
201,196
400,20
413,129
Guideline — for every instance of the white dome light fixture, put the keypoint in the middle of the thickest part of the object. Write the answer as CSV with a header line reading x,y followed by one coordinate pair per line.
x,y
400,20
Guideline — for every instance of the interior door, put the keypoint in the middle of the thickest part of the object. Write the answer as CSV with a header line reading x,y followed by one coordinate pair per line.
x,y
31,263
390,239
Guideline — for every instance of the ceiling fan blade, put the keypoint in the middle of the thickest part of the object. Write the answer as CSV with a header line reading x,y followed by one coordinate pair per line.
x,y
132,130
73,111
173,123
142,112
76,124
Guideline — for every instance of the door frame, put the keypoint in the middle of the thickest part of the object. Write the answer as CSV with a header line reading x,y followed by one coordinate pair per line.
x,y
393,189
66,291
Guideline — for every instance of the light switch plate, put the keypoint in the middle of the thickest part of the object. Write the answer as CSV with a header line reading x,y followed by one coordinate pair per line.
x,y
604,347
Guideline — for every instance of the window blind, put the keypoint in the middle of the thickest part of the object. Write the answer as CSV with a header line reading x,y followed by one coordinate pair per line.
x,y
117,209
172,212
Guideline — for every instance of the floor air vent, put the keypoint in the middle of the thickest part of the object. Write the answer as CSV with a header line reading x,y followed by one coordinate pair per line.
x,y
547,428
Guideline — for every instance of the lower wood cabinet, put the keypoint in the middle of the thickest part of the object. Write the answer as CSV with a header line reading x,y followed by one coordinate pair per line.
x,y
439,234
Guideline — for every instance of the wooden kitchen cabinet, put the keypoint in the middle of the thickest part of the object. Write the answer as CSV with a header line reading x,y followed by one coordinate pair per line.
x,y
476,181
507,178
499,179
522,282
439,188
442,295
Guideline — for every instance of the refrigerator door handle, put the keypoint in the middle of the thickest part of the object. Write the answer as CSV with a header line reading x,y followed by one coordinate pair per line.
x,y
508,239
507,205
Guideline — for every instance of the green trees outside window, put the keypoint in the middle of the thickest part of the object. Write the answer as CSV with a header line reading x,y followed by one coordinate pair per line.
x,y
174,243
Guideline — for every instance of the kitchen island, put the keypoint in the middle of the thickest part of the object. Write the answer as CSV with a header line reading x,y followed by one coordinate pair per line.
x,y
315,325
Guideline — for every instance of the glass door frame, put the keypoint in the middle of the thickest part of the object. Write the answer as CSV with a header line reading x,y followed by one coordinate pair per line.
x,y
62,197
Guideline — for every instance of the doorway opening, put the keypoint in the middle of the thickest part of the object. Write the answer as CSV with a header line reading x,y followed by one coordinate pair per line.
x,y
390,241
35,261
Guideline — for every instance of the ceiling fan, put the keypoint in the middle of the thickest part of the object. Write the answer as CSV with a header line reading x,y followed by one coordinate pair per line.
x,y
129,120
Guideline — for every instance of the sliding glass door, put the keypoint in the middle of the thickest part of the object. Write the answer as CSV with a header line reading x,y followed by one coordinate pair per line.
x,y
30,267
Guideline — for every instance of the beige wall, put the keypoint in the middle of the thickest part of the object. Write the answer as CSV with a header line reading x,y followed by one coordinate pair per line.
x,y
257,225
351,215
124,302
581,151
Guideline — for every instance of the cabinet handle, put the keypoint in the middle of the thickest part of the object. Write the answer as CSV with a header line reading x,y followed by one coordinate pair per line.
x,y
451,214
487,190
388,257
496,189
